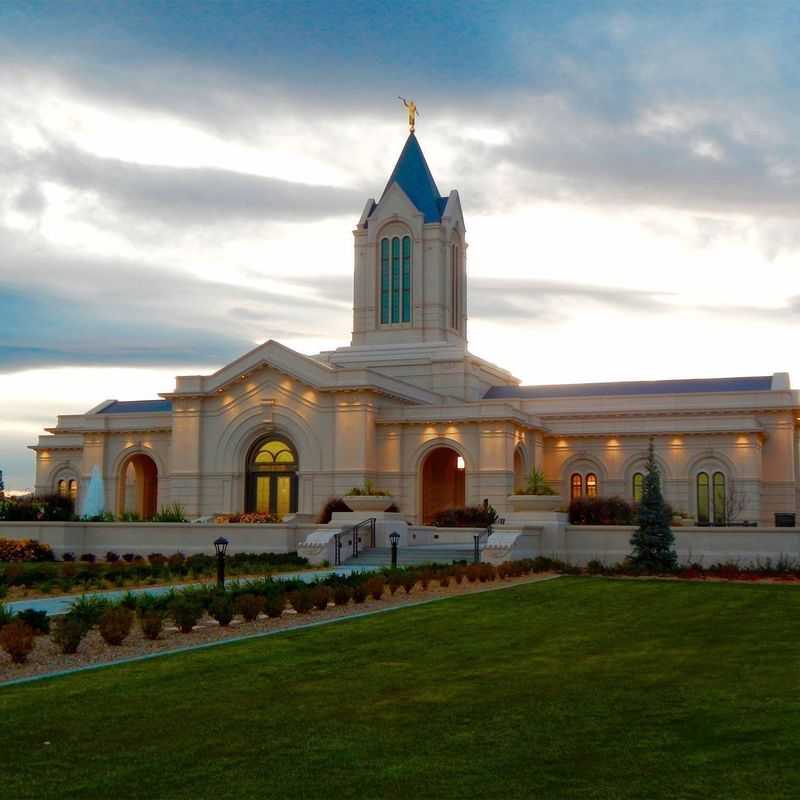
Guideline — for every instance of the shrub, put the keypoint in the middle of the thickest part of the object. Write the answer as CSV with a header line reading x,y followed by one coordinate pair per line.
x,y
600,511
157,559
359,593
112,557
128,557
176,561
37,621
25,550
333,505
466,517
221,608
186,612
595,567
151,623
89,558
68,557
274,605
444,579
115,625
425,578
171,513
375,586
537,484
250,606
473,572
88,611
504,570
367,490
408,581
342,594
395,582
487,573
301,601
16,639
320,596
68,633
458,574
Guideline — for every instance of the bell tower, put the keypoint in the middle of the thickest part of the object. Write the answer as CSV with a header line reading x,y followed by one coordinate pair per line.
x,y
410,261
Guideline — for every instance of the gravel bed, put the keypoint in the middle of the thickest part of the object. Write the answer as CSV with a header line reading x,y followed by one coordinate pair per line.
x,y
46,657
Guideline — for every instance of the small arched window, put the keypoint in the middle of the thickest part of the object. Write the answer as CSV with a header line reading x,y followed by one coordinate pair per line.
x,y
575,486
395,272
62,488
703,500
591,485
73,490
718,483
638,486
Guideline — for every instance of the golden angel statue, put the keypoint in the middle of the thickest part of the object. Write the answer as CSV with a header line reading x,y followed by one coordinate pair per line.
x,y
412,112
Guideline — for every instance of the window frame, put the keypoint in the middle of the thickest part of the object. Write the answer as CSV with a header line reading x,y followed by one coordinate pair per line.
x,y
638,477
395,279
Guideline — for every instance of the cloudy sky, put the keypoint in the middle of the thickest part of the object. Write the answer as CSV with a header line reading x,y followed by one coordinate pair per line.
x,y
179,181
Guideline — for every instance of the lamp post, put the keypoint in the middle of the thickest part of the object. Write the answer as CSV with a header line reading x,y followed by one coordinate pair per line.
x,y
394,538
221,545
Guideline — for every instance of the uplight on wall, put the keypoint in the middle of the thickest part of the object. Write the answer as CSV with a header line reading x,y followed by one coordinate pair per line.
x,y
460,462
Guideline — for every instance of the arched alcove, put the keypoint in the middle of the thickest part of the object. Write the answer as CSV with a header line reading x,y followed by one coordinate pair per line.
x,y
137,486
443,482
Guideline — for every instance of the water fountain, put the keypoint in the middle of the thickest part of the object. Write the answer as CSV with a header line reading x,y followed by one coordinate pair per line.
x,y
94,499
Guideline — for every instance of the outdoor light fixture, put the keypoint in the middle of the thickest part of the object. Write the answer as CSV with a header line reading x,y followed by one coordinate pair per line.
x,y
460,462
221,545
394,539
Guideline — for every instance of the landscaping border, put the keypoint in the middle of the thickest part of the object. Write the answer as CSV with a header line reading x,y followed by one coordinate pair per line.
x,y
261,635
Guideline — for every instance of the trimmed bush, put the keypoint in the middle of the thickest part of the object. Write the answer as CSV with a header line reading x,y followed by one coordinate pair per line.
x,y
408,581
359,593
601,511
333,505
88,611
320,596
473,572
301,601
24,550
186,612
395,582
36,620
112,557
250,606
68,633
342,594
151,623
375,587
128,557
487,573
274,604
89,558
221,608
425,578
16,639
458,574
115,625
444,579
466,517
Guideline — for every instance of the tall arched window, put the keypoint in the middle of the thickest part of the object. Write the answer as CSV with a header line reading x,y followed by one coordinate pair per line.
x,y
718,484
272,477
395,271
638,487
591,485
575,486
703,500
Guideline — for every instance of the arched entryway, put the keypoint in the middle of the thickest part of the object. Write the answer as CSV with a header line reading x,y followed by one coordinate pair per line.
x,y
520,471
272,477
138,486
443,482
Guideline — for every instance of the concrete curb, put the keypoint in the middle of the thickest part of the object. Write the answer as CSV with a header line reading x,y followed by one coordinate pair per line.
x,y
250,637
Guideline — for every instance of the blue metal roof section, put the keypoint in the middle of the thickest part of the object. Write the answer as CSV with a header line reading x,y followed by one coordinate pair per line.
x,y
138,407
758,383
412,175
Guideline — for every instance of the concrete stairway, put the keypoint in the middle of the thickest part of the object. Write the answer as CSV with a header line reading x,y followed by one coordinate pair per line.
x,y
412,555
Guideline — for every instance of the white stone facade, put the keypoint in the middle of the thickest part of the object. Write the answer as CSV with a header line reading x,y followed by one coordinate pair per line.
x,y
377,409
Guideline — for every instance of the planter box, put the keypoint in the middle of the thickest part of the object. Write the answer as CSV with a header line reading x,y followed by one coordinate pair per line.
x,y
534,502
368,502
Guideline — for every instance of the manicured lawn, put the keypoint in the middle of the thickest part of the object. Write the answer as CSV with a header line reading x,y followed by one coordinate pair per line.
x,y
578,688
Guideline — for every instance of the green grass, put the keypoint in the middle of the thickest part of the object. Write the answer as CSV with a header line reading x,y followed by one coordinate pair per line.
x,y
576,688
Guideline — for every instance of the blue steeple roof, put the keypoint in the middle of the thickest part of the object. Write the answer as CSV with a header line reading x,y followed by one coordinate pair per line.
x,y
412,175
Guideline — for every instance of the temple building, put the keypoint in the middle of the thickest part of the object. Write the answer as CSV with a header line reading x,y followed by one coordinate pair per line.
x,y
407,406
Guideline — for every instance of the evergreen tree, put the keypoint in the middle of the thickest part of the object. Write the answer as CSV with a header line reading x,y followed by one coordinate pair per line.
x,y
653,543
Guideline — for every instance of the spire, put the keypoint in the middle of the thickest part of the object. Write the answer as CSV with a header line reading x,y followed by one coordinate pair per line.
x,y
412,175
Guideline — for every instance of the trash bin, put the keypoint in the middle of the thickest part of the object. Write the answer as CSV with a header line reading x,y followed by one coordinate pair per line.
x,y
784,520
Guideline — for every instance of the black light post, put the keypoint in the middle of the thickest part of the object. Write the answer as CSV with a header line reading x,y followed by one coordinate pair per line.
x,y
394,539
221,545
476,556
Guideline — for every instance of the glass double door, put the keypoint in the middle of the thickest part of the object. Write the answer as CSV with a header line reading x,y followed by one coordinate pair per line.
x,y
273,494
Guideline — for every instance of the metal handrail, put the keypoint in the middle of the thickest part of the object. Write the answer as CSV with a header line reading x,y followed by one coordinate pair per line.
x,y
356,536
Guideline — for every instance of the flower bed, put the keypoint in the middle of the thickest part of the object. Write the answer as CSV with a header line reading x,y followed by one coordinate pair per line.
x,y
24,579
96,631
